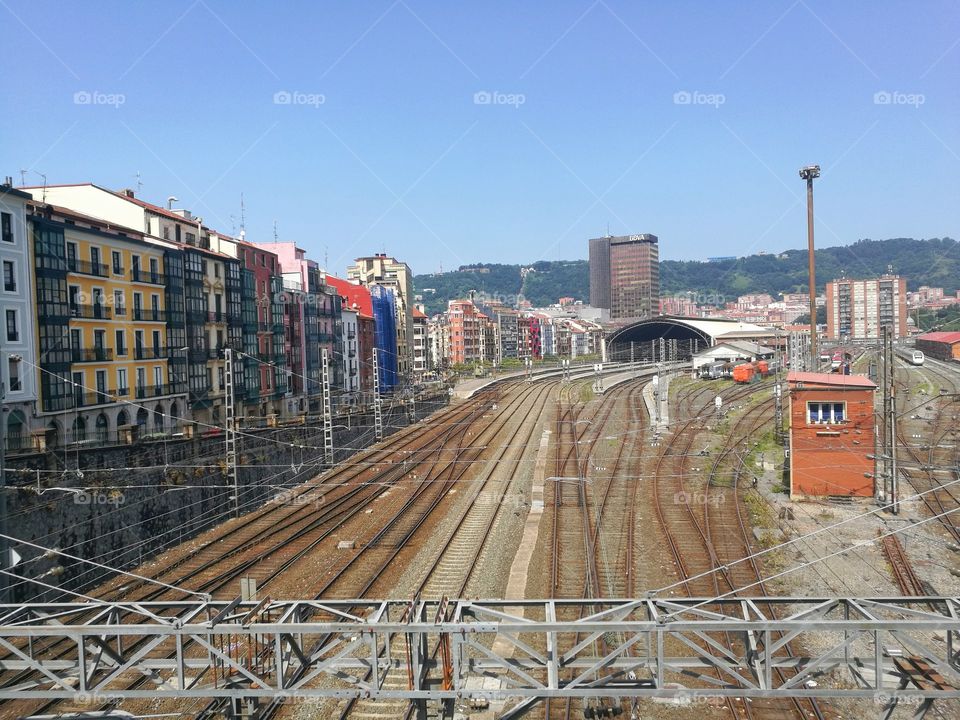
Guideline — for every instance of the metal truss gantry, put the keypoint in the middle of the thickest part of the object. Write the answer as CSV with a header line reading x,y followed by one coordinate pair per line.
x,y
500,651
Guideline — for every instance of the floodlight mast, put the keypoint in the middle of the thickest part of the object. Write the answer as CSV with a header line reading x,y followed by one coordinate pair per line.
x,y
809,173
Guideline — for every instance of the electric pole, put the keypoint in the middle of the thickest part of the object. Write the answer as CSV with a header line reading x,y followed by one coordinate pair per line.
x,y
327,411
809,173
231,431
377,409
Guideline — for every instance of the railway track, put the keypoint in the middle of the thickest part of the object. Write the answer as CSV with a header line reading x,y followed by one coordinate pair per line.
x,y
941,448
708,531
293,528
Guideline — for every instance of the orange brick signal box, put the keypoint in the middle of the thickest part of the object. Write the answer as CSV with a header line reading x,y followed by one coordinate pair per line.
x,y
832,431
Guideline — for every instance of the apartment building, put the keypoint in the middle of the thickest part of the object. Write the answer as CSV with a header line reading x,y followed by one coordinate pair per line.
x,y
420,354
355,298
18,358
104,344
394,275
311,325
263,350
465,331
860,308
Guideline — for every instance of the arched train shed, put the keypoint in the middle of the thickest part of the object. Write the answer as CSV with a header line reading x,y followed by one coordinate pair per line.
x,y
668,337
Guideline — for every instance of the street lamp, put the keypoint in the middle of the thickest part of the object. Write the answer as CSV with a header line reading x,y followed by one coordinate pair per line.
x,y
809,173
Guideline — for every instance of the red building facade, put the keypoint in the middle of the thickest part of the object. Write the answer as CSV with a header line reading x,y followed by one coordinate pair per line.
x,y
832,434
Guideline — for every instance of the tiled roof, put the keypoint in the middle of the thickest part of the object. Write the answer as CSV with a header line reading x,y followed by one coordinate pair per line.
x,y
832,379
944,337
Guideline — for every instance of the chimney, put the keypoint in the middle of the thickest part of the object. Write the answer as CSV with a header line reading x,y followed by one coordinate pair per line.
x,y
127,192
8,181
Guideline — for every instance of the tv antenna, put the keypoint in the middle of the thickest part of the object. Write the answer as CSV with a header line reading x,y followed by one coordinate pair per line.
x,y
139,183
243,214
275,236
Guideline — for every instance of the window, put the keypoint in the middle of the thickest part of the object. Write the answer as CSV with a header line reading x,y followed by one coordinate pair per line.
x,y
76,339
204,267
154,270
9,280
138,342
216,269
101,376
12,334
122,387
826,413
13,367
141,378
121,342
72,256
98,336
158,377
156,343
95,259
6,227
119,305
117,263
220,378
166,232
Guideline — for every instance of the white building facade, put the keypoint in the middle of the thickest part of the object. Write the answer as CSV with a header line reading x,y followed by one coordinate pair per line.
x,y
18,362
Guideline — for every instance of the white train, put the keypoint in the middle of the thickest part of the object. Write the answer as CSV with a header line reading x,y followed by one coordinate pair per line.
x,y
916,358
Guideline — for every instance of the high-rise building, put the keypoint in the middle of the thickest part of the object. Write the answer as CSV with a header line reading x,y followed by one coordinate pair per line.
x,y
396,276
859,308
625,275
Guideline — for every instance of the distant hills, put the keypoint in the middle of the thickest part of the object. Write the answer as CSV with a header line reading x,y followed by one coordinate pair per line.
x,y
934,262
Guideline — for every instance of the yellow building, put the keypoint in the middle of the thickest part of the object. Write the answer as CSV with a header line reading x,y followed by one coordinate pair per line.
x,y
102,296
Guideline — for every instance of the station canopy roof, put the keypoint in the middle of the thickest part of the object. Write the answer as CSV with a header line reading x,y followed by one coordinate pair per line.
x,y
709,331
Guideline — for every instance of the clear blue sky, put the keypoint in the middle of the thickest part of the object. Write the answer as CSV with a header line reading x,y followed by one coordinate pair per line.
x,y
400,157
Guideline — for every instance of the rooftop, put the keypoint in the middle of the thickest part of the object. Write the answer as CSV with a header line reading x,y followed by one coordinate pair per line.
x,y
944,337
831,379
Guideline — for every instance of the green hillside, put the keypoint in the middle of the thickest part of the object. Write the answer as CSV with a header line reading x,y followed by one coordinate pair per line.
x,y
934,262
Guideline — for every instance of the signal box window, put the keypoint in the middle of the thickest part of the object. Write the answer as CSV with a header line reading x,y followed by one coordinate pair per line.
x,y
826,413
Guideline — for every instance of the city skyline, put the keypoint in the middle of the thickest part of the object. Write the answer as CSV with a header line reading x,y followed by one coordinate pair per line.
x,y
454,136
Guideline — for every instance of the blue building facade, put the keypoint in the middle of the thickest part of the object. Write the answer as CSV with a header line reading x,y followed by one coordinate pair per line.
x,y
385,335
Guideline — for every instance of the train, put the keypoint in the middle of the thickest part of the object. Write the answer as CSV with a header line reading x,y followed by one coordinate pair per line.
x,y
753,371
716,371
916,357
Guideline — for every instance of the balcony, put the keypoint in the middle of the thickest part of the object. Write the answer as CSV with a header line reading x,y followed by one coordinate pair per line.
x,y
82,399
145,276
85,267
148,391
119,311
90,312
149,353
92,355
216,317
149,315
